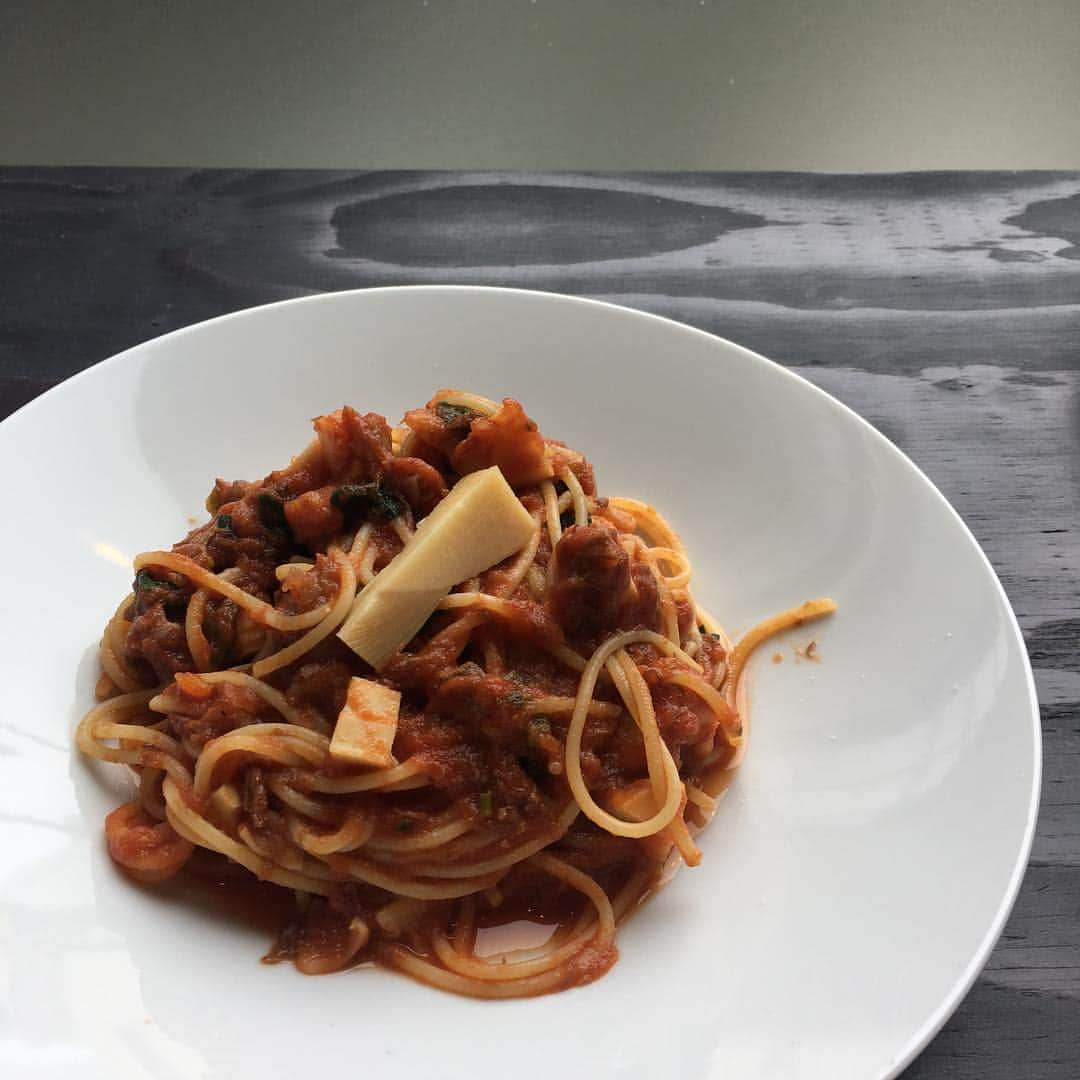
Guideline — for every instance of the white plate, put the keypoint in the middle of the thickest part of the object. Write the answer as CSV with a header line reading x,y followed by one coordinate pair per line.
x,y
855,878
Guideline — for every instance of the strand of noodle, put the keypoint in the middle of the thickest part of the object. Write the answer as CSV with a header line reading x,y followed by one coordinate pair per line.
x,y
693,636
718,781
516,963
712,697
712,626
313,742
718,676
111,649
700,799
403,444
564,451
666,645
336,616
482,405
480,839
465,926
153,748
592,810
273,850
197,643
136,733
585,884
398,435
425,971
551,511
635,693
357,868
681,838
493,658
270,641
561,652
105,688
536,582
636,548
562,934
667,606
280,749
565,655
786,620
366,570
455,636
650,523
87,733
577,493
174,769
117,627
558,706
505,860
359,548
198,830
353,833
436,837
262,612
400,915
406,772
480,601
520,566
295,565
522,971
274,698
523,963
137,699
631,892
681,578
114,669
150,798
301,803
566,500
400,526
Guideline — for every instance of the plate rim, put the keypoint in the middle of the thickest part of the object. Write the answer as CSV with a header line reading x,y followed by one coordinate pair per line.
x,y
959,989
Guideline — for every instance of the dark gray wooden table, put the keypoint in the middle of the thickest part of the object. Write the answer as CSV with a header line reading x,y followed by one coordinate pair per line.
x,y
943,307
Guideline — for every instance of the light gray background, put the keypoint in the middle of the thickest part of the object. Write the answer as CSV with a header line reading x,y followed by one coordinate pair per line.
x,y
845,85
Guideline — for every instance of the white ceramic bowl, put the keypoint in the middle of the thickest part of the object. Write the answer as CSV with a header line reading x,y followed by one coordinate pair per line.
x,y
855,878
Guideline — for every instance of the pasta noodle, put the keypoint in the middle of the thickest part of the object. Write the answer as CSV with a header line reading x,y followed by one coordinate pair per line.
x,y
564,722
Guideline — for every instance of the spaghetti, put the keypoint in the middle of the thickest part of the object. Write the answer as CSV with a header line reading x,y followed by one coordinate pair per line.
x,y
565,724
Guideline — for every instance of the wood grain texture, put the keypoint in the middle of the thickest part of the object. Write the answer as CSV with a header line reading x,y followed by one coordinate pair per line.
x,y
945,308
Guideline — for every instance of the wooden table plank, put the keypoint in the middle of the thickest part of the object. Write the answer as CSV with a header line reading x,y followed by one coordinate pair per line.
x,y
943,307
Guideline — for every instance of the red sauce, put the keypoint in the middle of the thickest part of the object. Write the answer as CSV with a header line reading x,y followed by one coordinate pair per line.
x,y
490,755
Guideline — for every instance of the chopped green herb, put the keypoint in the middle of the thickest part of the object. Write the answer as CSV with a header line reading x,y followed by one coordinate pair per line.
x,y
454,414
224,522
486,806
145,580
404,825
515,698
701,628
271,510
367,500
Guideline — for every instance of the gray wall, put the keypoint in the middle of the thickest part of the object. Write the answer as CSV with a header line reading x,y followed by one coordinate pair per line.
x,y
620,84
